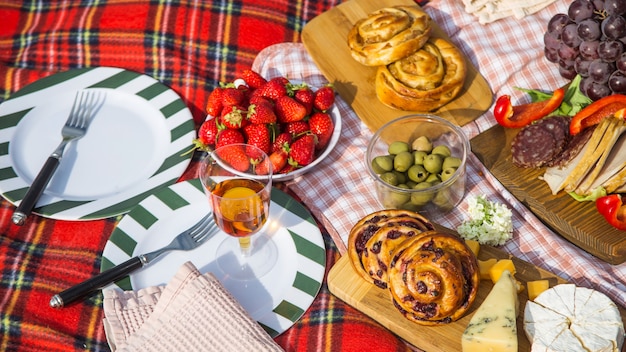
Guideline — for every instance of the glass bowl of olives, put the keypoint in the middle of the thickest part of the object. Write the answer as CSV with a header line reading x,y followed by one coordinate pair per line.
x,y
418,163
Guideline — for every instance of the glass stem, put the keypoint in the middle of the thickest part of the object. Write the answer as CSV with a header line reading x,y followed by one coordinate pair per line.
x,y
245,244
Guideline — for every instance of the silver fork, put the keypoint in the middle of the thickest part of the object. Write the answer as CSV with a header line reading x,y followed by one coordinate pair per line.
x,y
86,105
187,240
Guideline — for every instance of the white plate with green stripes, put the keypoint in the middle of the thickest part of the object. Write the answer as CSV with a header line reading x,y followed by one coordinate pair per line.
x,y
276,300
133,147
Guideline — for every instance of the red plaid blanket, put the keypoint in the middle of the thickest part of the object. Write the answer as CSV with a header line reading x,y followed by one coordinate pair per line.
x,y
190,46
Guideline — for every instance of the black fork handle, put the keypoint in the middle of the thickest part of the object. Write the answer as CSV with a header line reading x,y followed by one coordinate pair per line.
x,y
97,282
35,191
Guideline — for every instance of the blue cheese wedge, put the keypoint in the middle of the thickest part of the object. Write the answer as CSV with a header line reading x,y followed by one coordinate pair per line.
x,y
571,318
493,326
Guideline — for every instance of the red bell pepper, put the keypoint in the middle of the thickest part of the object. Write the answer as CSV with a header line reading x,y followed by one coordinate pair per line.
x,y
595,112
518,116
613,210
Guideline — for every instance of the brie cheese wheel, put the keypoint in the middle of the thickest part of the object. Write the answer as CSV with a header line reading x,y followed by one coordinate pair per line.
x,y
571,318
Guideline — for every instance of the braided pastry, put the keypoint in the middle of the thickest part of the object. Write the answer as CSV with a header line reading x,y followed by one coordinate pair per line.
x,y
433,278
388,35
423,81
368,226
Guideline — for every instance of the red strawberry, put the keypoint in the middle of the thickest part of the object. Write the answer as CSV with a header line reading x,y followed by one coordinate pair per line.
x,y
324,98
255,97
233,116
253,79
289,110
306,97
214,102
235,156
208,132
278,160
261,113
287,169
228,136
296,128
322,126
232,96
274,89
282,142
302,151
258,135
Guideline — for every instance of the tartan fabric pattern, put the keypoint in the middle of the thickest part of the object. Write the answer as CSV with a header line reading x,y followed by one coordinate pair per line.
x,y
189,46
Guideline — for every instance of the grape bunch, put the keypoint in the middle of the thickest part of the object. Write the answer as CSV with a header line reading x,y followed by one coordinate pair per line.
x,y
590,40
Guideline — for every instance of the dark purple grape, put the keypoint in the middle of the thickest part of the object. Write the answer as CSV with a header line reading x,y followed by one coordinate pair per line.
x,y
585,84
617,82
551,54
614,27
581,66
598,5
567,53
620,63
567,73
597,91
566,64
550,40
600,71
589,29
589,50
580,10
615,7
610,50
569,35
557,22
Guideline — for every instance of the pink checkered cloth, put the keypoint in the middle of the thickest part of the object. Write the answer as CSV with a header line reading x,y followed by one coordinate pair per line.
x,y
340,193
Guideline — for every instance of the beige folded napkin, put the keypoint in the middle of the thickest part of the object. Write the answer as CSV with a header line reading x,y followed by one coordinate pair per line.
x,y
193,312
488,11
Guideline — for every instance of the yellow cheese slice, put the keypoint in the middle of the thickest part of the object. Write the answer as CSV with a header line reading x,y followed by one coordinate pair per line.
x,y
493,326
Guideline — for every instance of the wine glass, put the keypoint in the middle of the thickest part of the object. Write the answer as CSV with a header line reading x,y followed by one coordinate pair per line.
x,y
237,179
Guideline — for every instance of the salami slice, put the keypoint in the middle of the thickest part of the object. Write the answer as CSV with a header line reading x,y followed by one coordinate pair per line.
x,y
533,146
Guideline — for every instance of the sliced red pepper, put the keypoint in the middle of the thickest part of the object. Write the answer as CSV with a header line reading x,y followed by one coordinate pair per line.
x,y
518,116
595,112
613,210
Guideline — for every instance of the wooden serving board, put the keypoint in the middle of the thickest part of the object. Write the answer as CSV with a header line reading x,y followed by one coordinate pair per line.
x,y
578,222
345,283
325,38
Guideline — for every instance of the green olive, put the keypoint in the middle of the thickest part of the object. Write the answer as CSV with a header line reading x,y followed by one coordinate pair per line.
x,y
398,147
417,173
389,178
442,199
410,206
402,161
382,163
451,161
433,163
422,144
421,198
447,173
410,183
393,199
401,176
418,157
433,179
442,150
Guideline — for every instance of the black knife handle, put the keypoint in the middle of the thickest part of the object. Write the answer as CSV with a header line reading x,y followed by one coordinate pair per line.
x,y
35,191
95,283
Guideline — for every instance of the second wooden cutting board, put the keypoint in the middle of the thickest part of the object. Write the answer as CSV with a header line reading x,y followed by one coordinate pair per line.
x,y
325,38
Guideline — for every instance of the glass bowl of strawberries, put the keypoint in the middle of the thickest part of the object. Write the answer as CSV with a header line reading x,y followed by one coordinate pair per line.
x,y
296,124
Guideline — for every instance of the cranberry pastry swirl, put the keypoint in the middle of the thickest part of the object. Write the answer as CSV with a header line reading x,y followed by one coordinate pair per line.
x,y
433,278
424,81
389,34
363,231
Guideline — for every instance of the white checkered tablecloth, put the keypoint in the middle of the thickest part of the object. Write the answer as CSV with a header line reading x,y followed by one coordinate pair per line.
x,y
508,53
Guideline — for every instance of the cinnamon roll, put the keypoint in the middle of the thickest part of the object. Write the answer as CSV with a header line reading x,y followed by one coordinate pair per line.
x,y
433,278
368,226
423,81
388,35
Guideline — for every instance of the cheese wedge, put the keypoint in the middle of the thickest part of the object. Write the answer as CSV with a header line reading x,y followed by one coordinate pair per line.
x,y
493,326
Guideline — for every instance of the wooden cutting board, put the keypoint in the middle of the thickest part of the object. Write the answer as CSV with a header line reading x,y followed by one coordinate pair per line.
x,y
325,38
578,222
346,284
